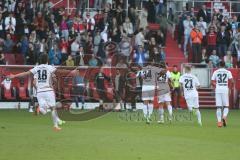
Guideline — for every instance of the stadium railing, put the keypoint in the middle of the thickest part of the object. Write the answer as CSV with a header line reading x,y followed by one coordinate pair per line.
x,y
230,6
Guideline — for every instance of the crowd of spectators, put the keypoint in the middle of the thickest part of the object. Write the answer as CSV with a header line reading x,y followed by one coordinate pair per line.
x,y
110,33
83,37
210,38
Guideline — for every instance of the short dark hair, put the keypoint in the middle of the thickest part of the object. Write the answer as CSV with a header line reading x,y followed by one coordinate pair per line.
x,y
141,29
222,64
162,64
175,66
43,59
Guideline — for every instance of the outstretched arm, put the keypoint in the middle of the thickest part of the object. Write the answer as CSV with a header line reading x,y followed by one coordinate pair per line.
x,y
65,71
23,74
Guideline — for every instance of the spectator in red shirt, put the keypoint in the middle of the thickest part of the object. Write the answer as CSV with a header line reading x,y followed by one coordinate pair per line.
x,y
63,46
211,40
78,25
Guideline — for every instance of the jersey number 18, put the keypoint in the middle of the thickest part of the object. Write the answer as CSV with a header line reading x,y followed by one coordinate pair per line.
x,y
42,74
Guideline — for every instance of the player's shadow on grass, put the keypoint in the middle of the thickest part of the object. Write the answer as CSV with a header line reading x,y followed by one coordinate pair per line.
x,y
67,114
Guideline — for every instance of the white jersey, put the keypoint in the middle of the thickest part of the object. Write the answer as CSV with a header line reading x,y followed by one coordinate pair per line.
x,y
189,83
148,74
221,76
164,78
43,74
162,82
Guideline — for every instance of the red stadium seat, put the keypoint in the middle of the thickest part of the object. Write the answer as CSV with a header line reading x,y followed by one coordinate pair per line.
x,y
23,93
22,87
9,94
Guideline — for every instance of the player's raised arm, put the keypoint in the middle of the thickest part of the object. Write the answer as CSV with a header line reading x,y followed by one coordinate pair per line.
x,y
23,74
67,72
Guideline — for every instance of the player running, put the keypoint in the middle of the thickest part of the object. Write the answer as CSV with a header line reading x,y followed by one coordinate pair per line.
x,y
148,74
189,85
220,79
45,92
164,83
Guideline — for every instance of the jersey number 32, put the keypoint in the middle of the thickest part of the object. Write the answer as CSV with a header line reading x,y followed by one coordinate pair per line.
x,y
222,78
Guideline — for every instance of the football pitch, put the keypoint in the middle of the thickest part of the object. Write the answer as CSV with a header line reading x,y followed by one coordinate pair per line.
x,y
24,136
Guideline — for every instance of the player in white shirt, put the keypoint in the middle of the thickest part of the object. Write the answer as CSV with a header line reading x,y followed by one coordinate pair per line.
x,y
45,92
220,79
148,74
164,80
189,85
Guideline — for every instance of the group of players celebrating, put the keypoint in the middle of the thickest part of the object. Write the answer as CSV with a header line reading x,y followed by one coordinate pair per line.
x,y
156,80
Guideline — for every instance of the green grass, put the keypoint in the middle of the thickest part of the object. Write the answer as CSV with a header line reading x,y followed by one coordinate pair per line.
x,y
24,136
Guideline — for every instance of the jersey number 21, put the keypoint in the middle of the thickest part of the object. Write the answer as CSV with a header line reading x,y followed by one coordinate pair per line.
x,y
188,83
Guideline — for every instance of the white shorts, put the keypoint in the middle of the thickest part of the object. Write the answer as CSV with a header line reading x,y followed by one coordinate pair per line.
x,y
222,99
46,99
148,92
192,102
164,98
